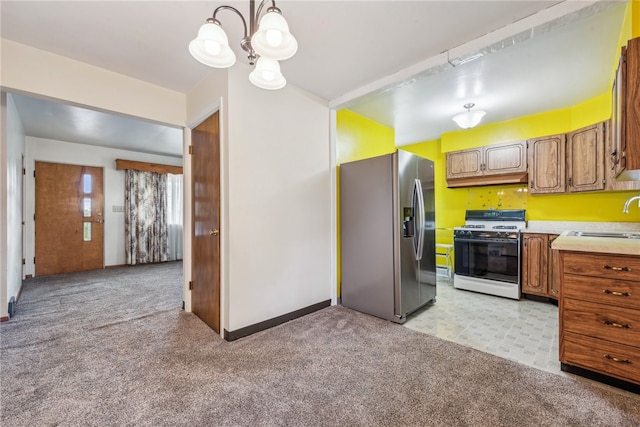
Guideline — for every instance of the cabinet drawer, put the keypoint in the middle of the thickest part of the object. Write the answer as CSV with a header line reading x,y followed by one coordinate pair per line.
x,y
602,265
623,293
616,360
602,321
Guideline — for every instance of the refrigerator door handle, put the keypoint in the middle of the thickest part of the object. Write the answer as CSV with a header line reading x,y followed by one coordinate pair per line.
x,y
420,223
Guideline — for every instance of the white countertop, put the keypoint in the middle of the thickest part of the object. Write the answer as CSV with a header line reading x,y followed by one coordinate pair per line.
x,y
559,227
610,245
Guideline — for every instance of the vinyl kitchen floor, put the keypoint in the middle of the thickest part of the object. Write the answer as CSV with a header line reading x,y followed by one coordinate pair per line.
x,y
524,331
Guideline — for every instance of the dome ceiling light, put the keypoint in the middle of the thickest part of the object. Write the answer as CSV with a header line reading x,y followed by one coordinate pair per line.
x,y
469,118
270,43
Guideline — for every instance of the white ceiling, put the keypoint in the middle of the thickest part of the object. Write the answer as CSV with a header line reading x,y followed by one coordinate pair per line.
x,y
382,59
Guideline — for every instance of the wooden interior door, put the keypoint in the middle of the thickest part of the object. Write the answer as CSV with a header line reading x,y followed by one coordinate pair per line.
x,y
69,218
205,270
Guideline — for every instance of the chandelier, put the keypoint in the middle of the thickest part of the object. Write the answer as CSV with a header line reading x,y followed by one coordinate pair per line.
x,y
272,42
469,118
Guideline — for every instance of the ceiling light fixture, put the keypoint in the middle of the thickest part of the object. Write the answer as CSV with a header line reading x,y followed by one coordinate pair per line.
x,y
270,43
469,118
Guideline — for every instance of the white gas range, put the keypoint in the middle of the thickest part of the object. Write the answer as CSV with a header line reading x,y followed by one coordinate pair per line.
x,y
487,252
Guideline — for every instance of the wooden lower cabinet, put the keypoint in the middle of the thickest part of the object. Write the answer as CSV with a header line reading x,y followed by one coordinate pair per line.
x,y
540,275
600,314
616,360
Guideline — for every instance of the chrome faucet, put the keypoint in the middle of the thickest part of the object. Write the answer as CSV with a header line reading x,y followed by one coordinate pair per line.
x,y
628,202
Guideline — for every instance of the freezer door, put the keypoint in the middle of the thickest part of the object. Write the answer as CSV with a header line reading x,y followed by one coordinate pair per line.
x,y
408,209
427,262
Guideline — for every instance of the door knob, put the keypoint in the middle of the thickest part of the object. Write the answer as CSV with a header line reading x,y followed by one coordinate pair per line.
x,y
99,221
214,232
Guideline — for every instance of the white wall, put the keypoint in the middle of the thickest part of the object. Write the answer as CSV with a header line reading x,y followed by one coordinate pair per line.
x,y
275,172
15,151
38,73
25,69
278,197
275,196
48,150
3,204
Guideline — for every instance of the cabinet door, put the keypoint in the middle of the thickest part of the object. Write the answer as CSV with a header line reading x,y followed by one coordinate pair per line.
x,y
506,158
534,264
547,164
616,130
464,163
631,119
585,159
610,161
553,266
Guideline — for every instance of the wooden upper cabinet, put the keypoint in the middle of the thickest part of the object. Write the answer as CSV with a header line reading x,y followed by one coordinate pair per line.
x,y
616,162
631,110
493,164
611,162
585,159
547,164
568,163
624,148
500,159
465,163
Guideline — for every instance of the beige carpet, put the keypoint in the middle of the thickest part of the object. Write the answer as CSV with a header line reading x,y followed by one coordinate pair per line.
x,y
113,347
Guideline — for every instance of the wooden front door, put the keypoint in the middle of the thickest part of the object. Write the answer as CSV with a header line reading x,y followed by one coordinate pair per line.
x,y
69,220
205,208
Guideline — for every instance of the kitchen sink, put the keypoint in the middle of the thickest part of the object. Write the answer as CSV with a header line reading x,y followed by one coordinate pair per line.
x,y
605,234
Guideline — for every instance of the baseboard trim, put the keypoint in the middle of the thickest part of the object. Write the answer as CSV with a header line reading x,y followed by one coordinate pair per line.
x,y
4,319
596,376
270,323
114,266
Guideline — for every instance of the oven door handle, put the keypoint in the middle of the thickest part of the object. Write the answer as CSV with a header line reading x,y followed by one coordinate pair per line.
x,y
510,241
418,198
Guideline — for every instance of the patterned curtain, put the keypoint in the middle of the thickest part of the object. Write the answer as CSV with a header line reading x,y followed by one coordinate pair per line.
x,y
145,224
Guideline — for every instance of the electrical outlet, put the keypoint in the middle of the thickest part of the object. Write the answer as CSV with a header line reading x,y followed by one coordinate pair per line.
x,y
118,208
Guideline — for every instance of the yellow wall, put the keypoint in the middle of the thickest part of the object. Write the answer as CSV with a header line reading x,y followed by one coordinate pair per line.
x,y
635,13
452,203
358,138
361,138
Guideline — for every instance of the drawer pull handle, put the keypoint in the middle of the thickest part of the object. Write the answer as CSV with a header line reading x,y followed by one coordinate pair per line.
x,y
615,359
620,294
617,325
608,267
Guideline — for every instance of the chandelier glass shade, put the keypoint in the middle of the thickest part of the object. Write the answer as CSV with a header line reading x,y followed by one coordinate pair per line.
x,y
469,118
211,47
267,74
273,38
265,46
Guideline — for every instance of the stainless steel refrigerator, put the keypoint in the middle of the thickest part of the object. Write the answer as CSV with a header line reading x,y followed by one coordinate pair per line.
x,y
387,235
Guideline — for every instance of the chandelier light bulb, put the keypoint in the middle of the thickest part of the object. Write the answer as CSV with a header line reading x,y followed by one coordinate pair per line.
x,y
268,75
212,47
274,37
